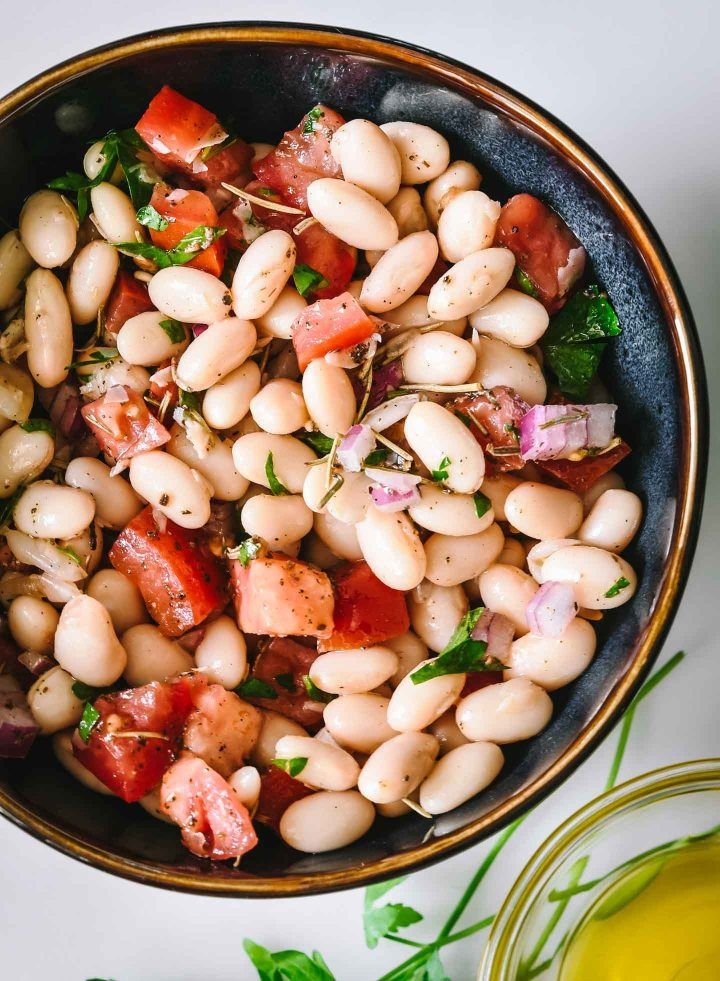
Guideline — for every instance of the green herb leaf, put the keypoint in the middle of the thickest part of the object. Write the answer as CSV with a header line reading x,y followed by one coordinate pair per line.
x,y
434,970
151,218
7,506
188,400
311,118
197,240
276,488
246,551
208,152
256,688
177,334
38,426
70,552
525,283
377,457
482,503
441,473
287,965
461,654
88,721
99,356
317,441
619,584
88,693
381,921
286,681
315,693
291,766
140,178
308,280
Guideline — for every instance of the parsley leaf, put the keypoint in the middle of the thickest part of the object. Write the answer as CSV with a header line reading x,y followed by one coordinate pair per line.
x,y
617,586
38,426
377,457
308,280
317,441
525,283
287,965
151,218
176,333
317,694
88,721
276,488
197,240
433,969
461,654
380,921
311,118
97,357
70,552
246,551
482,503
286,681
291,766
441,473
88,693
256,688
208,152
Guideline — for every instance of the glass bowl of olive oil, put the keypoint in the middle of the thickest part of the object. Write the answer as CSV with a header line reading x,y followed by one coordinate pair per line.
x,y
627,889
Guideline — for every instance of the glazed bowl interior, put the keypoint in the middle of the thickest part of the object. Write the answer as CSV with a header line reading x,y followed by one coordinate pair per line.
x,y
261,79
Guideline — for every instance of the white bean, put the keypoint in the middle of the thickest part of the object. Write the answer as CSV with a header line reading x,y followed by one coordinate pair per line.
x,y
48,329
49,510
397,767
315,489
500,364
368,158
17,395
438,358
152,804
458,776
512,554
435,612
172,487
453,559
436,434
327,768
261,273
32,623
228,401
459,176
496,488
116,503
86,644
467,224
351,214
222,653
407,210
91,279
593,573
513,318
278,320
280,521
410,651
23,457
424,153
508,590
190,295
15,264
612,522
415,706
471,283
358,722
141,340
151,656
115,214
351,502
351,672
449,514
399,272
446,731
414,313
215,465
609,481
274,727
48,228
340,538
279,407
552,662
87,546
504,713
220,349
327,820
315,551
53,703
120,597
94,161
329,397
541,511
392,548
290,459
62,748
44,555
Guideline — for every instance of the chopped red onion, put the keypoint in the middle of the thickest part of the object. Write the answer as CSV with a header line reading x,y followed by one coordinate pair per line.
x,y
63,405
552,609
355,445
397,481
117,394
36,663
198,329
387,499
497,632
388,413
385,379
17,726
552,432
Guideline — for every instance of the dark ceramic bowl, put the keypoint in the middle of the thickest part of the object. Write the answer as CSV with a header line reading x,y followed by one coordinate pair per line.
x,y
266,76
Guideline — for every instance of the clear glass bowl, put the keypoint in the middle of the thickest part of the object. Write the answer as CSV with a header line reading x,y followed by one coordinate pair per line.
x,y
527,937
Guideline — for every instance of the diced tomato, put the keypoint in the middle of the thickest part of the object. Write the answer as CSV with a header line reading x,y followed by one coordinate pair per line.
x,y
475,680
580,475
302,156
325,253
366,610
285,659
544,247
128,298
222,729
214,822
330,325
438,270
176,128
128,765
181,582
185,210
282,597
160,387
278,790
493,417
124,429
230,165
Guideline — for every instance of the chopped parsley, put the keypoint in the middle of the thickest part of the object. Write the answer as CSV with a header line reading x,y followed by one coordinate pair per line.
x,y
461,654
308,280
315,693
525,283
441,473
482,504
246,551
382,921
317,441
286,681
89,720
208,152
176,333
100,355
151,218
287,965
617,586
377,457
70,552
197,240
256,688
276,488
292,766
312,117
38,426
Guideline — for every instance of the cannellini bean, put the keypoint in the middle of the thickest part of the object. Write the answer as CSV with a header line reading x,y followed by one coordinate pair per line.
x,y
392,548
62,748
368,158
613,521
327,768
116,503
399,272
23,457
53,703
513,318
94,161
222,653
471,283
17,395
508,590
500,364
438,358
358,722
49,510
87,546
396,809
351,672
329,397
222,348
504,713
290,459
446,731
279,407
436,434
410,651
315,489
120,597
48,228
460,176
172,487
32,624
414,313
340,538
552,662
278,520
407,210
246,784
351,502
261,274
496,488
458,776
327,820
397,767
449,514
44,555
152,804
86,644
435,612
191,296
151,656
215,465
15,264
415,706
278,320
593,573
453,559
541,511
351,214
512,554
609,481
424,153
48,329
274,727
141,340
315,551
91,279
115,214
228,401
467,224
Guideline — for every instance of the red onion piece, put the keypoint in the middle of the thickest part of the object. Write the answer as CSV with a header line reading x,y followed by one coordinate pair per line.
x,y
198,329
497,632
552,609
385,379
553,432
354,447
386,499
63,405
17,726
36,664
401,482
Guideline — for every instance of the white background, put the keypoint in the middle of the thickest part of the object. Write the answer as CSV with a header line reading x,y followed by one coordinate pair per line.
x,y
640,81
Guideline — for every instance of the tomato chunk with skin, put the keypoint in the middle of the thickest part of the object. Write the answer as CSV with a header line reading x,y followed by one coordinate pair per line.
x,y
128,298
214,822
330,325
475,680
580,475
438,270
326,254
186,210
366,610
278,790
493,417
282,597
177,128
124,429
181,582
282,663
221,729
132,765
544,247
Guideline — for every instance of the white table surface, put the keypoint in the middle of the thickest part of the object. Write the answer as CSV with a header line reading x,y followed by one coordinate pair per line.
x,y
640,81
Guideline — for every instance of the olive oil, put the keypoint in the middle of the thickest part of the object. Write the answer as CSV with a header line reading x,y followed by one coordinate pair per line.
x,y
658,921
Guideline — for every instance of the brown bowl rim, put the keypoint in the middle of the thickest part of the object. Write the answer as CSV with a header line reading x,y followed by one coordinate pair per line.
x,y
442,70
